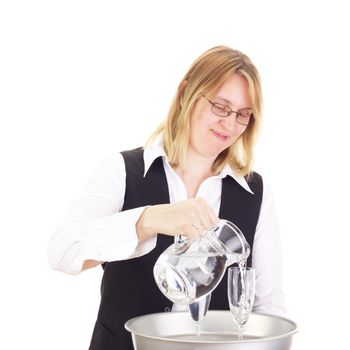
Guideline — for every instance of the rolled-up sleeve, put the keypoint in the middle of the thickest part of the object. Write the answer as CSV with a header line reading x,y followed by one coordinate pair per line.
x,y
95,227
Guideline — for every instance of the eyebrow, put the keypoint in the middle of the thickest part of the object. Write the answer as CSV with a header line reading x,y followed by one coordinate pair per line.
x,y
230,103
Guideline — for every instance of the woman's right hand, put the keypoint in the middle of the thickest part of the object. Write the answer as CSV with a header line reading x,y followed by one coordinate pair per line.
x,y
190,218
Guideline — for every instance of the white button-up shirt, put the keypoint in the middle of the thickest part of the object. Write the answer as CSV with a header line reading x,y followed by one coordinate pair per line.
x,y
96,228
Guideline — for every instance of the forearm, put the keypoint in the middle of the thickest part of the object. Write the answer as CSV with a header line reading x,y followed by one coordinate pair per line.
x,y
108,238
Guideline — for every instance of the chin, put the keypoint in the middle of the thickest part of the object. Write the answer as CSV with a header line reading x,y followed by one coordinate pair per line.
x,y
214,154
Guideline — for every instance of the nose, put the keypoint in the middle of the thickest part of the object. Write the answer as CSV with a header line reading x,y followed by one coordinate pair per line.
x,y
229,122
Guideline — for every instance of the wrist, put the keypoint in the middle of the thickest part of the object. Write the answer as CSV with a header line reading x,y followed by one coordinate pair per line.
x,y
144,227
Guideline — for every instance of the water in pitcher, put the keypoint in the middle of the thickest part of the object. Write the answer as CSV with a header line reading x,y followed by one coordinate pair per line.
x,y
185,278
189,270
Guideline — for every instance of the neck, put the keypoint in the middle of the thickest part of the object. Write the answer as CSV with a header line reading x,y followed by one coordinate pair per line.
x,y
197,165
194,172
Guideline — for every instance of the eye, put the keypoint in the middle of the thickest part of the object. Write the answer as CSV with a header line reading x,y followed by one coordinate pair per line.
x,y
245,114
221,109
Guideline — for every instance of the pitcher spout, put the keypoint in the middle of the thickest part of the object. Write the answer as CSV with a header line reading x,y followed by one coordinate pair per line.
x,y
237,247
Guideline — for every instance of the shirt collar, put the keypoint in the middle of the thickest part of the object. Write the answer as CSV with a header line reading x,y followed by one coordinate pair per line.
x,y
152,152
227,171
156,150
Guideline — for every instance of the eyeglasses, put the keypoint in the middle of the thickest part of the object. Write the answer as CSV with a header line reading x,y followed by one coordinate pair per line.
x,y
243,118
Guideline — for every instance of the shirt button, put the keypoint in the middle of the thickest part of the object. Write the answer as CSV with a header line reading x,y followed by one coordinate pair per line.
x,y
167,309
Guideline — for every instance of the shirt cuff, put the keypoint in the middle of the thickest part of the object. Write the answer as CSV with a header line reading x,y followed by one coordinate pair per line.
x,y
114,238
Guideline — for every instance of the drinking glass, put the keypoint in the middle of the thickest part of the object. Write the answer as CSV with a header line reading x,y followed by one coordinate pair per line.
x,y
241,292
198,310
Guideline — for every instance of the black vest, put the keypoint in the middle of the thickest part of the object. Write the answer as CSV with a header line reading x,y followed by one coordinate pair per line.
x,y
128,287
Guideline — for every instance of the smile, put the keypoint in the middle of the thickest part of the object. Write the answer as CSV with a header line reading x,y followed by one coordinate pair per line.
x,y
220,136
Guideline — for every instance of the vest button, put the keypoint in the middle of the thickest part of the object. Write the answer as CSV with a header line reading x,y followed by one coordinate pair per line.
x,y
167,309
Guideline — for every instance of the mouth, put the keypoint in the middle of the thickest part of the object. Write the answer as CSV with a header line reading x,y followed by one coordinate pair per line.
x,y
219,135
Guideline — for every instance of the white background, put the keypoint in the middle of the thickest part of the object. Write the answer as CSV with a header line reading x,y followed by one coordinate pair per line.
x,y
82,79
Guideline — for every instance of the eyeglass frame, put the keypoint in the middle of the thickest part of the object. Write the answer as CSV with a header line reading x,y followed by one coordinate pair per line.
x,y
229,111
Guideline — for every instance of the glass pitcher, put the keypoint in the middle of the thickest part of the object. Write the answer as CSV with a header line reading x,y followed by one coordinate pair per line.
x,y
191,269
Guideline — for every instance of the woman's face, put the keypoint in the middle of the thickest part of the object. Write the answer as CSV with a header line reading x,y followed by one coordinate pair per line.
x,y
211,134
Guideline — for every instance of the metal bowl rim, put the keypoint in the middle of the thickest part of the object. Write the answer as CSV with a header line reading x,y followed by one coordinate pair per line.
x,y
286,335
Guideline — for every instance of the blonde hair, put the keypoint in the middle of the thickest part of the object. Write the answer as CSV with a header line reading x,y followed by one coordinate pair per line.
x,y
205,76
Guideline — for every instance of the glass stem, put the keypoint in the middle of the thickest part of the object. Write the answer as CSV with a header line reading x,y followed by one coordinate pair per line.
x,y
240,333
198,329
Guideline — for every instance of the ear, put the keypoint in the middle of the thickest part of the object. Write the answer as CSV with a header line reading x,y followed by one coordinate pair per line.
x,y
181,91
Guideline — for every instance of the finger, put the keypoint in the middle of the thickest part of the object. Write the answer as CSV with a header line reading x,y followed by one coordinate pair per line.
x,y
190,231
201,229
205,221
212,217
208,216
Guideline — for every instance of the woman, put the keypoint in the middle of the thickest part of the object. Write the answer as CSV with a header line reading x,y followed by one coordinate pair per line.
x,y
195,169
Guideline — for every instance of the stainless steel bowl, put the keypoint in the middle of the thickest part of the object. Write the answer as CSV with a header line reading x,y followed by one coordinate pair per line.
x,y
176,331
